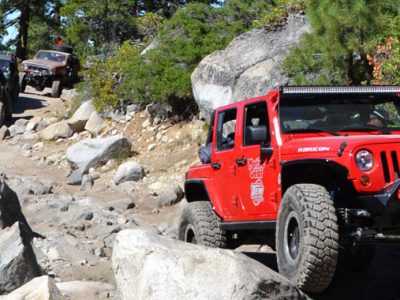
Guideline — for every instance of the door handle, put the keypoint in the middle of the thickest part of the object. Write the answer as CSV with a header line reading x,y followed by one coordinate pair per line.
x,y
216,165
241,161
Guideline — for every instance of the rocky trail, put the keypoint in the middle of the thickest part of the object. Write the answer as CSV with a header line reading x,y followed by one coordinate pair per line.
x,y
79,224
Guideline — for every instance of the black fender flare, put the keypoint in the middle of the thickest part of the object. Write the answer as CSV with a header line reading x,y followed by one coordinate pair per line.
x,y
196,190
302,163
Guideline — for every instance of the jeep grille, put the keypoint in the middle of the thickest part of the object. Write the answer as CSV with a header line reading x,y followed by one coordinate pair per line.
x,y
38,69
390,165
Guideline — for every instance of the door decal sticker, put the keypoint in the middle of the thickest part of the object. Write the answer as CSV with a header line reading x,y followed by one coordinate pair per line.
x,y
256,171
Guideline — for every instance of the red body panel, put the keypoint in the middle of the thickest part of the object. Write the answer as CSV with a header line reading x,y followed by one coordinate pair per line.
x,y
253,191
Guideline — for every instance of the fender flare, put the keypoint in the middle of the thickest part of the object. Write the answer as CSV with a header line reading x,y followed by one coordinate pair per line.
x,y
196,190
325,163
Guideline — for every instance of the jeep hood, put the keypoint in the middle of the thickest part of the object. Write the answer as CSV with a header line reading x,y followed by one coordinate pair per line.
x,y
44,63
328,146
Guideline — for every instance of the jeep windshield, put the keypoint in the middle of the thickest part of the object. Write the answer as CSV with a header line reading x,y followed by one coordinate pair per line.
x,y
339,113
50,55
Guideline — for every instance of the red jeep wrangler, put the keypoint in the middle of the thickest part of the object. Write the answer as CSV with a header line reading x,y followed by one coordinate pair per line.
x,y
317,166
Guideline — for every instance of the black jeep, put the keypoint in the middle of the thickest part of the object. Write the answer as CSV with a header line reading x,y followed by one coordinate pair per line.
x,y
9,68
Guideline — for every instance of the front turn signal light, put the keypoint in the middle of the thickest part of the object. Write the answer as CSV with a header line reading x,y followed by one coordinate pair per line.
x,y
365,180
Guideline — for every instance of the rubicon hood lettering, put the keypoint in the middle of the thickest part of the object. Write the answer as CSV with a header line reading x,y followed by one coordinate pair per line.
x,y
313,149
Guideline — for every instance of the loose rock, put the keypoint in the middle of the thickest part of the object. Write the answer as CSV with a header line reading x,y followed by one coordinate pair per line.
x,y
78,120
56,131
129,171
172,196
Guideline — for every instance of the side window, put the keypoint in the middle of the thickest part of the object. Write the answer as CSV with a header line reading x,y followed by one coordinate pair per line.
x,y
256,124
226,129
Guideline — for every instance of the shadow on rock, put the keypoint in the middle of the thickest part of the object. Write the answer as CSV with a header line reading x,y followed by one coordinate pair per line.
x,y
267,259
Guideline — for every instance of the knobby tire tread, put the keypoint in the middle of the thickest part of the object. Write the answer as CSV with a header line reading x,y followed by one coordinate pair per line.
x,y
320,236
205,222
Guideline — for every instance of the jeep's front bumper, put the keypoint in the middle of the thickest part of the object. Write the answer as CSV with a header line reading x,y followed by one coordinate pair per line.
x,y
36,78
384,206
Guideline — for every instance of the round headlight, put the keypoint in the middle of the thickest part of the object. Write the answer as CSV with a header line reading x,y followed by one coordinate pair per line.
x,y
364,160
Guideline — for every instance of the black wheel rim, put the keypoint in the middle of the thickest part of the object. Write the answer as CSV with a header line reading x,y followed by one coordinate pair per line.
x,y
293,238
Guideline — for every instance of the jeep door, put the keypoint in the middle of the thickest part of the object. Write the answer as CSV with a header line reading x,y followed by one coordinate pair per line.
x,y
223,162
257,174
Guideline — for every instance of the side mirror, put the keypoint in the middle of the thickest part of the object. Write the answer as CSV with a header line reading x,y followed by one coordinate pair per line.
x,y
256,134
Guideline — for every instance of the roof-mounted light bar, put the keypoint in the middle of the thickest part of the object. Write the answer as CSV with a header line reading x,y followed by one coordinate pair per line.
x,y
374,89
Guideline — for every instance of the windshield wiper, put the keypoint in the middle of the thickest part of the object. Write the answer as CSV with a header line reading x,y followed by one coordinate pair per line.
x,y
310,129
365,128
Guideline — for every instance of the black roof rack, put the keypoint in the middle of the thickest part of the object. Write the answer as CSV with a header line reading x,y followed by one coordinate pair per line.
x,y
372,89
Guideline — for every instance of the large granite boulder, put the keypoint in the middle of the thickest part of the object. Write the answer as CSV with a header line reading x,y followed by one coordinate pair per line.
x,y
94,152
148,266
18,263
248,67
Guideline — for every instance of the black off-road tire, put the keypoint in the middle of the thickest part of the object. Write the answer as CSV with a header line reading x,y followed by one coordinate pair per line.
x,y
56,88
307,239
39,88
22,82
199,225
2,114
7,101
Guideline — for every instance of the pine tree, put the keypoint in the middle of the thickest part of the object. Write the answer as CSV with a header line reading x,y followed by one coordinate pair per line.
x,y
20,14
342,34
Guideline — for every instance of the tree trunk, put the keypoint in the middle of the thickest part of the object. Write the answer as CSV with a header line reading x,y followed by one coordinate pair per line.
x,y
350,71
22,42
57,15
369,69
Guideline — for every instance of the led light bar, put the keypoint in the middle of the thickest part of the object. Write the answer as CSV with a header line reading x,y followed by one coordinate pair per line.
x,y
374,89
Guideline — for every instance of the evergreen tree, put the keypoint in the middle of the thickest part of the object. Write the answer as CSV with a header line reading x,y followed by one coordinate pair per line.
x,y
342,34
90,25
20,14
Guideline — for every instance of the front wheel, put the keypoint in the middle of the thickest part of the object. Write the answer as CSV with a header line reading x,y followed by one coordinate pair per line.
x,y
22,82
199,225
307,239
56,88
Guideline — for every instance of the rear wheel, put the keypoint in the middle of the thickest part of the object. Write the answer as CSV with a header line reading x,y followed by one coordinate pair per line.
x,y
56,88
39,88
2,114
199,225
7,106
307,240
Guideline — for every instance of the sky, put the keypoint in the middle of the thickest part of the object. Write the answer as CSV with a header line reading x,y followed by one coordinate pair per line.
x,y
11,32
